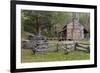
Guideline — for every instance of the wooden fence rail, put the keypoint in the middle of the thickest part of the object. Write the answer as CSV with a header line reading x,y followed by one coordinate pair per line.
x,y
84,46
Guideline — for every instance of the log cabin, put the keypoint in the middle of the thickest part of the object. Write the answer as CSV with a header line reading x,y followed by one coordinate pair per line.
x,y
73,31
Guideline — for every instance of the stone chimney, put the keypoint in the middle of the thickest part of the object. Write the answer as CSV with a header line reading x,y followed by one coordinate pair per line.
x,y
75,17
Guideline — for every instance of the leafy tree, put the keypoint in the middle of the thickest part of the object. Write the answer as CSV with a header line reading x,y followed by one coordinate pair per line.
x,y
46,22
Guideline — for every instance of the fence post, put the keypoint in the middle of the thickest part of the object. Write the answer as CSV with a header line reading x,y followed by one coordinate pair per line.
x,y
88,48
75,47
57,47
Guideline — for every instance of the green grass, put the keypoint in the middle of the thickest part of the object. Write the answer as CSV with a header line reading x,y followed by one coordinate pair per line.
x,y
27,56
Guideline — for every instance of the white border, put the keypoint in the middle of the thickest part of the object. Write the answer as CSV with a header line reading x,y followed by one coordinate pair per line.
x,y
51,64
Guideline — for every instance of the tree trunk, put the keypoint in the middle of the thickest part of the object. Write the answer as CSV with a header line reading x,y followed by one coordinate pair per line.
x,y
73,17
38,26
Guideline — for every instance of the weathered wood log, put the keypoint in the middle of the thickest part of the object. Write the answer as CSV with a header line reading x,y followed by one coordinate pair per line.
x,y
84,47
68,47
84,43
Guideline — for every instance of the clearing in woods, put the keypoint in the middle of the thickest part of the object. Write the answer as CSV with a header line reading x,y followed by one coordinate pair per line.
x,y
28,56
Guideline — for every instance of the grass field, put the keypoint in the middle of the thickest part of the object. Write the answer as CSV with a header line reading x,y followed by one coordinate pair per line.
x,y
27,56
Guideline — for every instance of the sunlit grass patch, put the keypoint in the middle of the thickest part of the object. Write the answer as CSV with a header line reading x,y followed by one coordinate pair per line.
x,y
27,56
